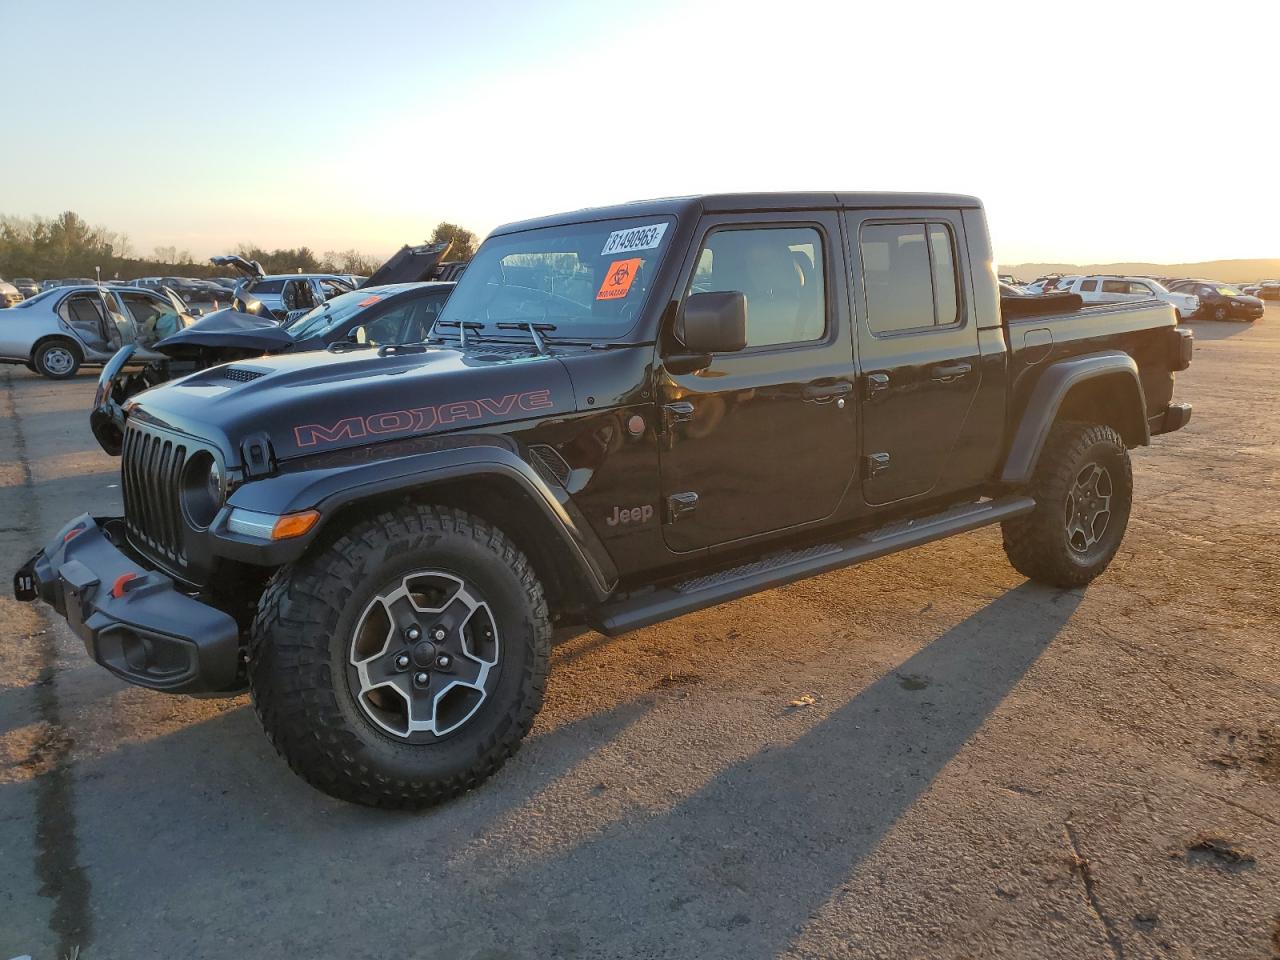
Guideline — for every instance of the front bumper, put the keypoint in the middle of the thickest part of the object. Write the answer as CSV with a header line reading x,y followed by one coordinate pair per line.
x,y
133,619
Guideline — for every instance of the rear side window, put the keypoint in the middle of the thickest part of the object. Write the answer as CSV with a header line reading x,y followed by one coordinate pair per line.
x,y
265,286
1089,286
910,281
1115,286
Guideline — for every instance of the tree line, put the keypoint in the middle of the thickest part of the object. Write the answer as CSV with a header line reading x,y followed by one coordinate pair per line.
x,y
67,246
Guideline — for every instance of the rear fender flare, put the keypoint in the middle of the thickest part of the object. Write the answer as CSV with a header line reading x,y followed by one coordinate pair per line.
x,y
329,489
1048,396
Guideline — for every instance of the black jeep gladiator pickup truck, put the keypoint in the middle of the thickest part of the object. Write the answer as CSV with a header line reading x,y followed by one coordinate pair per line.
x,y
621,415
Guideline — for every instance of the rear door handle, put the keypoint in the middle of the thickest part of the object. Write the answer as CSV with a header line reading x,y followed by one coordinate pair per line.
x,y
825,391
947,372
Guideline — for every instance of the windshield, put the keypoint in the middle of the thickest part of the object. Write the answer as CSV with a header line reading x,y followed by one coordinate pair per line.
x,y
1227,291
585,279
330,314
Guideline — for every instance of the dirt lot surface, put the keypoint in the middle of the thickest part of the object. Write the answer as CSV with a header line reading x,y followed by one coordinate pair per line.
x,y
924,756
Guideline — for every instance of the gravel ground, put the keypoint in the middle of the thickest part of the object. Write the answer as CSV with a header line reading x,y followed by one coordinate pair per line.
x,y
924,756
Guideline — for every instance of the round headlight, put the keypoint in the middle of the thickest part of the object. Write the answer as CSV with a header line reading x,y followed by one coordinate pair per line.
x,y
202,489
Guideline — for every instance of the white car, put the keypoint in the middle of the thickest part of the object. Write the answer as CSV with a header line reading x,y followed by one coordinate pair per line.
x,y
56,332
1098,289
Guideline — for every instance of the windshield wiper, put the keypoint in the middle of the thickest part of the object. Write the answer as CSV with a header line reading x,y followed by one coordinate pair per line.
x,y
462,325
533,329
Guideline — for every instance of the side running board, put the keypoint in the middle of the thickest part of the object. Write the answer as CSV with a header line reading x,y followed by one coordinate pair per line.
x,y
782,568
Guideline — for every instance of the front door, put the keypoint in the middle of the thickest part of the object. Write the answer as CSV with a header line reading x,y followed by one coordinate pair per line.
x,y
763,439
917,345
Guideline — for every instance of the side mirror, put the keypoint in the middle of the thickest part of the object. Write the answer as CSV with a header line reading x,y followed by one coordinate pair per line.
x,y
713,322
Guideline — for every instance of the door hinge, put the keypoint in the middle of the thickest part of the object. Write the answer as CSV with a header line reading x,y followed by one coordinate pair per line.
x,y
681,505
679,412
875,464
877,383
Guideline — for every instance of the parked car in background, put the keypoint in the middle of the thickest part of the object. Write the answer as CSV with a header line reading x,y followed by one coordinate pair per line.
x,y
62,329
372,317
26,286
1049,284
280,296
9,294
1103,289
1221,301
1264,290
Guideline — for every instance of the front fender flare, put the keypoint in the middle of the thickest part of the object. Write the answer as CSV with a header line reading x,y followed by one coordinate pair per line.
x,y
329,488
1046,400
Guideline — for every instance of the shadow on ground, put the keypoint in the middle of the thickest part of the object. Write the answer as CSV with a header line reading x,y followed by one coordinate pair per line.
x,y
734,869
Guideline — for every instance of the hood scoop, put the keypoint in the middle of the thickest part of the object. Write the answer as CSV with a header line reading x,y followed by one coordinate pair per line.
x,y
242,374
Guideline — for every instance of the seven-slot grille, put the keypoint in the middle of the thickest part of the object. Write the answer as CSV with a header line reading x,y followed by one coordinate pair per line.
x,y
151,474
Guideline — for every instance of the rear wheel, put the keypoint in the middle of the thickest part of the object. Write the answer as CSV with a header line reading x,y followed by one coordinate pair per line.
x,y
403,663
57,359
1083,488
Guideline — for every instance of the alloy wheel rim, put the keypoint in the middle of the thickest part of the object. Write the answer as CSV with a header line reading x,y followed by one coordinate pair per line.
x,y
423,655
1088,508
58,360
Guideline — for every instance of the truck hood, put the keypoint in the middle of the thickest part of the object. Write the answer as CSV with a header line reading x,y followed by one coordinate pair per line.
x,y
320,401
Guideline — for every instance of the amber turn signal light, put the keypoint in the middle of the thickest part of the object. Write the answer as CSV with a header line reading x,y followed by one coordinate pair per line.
x,y
294,524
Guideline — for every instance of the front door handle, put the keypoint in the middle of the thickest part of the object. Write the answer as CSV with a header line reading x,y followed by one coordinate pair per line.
x,y
825,391
947,372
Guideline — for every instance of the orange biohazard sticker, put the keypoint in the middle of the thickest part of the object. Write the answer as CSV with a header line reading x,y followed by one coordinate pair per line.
x,y
617,279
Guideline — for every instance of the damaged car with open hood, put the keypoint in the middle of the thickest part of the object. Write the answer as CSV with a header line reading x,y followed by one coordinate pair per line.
x,y
398,304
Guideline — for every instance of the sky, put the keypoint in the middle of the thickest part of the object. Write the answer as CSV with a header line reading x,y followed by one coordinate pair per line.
x,y
1093,132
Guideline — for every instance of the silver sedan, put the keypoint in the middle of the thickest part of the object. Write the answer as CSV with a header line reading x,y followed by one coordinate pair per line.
x,y
58,331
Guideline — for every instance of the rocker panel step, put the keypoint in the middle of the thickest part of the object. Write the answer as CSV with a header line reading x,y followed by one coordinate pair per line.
x,y
779,569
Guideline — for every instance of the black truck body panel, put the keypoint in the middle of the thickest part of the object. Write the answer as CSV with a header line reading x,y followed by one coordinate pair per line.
x,y
647,481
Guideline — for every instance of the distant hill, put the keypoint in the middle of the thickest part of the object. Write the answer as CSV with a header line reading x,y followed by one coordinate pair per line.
x,y
1228,271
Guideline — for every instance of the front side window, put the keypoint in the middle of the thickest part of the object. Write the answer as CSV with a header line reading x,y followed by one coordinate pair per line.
x,y
584,279
1141,289
388,328
779,270
910,282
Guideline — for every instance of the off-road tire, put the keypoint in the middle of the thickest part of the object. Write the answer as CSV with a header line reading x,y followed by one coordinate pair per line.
x,y
1037,543
43,360
300,641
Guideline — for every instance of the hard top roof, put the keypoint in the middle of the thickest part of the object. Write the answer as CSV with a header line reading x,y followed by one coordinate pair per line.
x,y
746,203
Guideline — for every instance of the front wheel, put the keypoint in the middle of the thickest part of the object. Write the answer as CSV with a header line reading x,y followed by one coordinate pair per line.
x,y
403,663
57,359
1220,313
1083,488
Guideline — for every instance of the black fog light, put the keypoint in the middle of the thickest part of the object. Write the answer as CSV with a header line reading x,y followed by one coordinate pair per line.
x,y
202,489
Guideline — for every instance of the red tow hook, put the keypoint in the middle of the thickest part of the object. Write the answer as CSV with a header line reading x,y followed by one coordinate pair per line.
x,y
121,586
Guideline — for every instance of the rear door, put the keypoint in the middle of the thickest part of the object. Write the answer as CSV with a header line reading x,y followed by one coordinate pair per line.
x,y
917,345
764,439
1114,291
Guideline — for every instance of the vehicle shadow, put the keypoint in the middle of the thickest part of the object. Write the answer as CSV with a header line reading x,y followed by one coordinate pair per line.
x,y
731,870
747,859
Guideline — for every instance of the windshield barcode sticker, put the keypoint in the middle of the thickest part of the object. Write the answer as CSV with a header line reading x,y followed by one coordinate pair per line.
x,y
634,238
